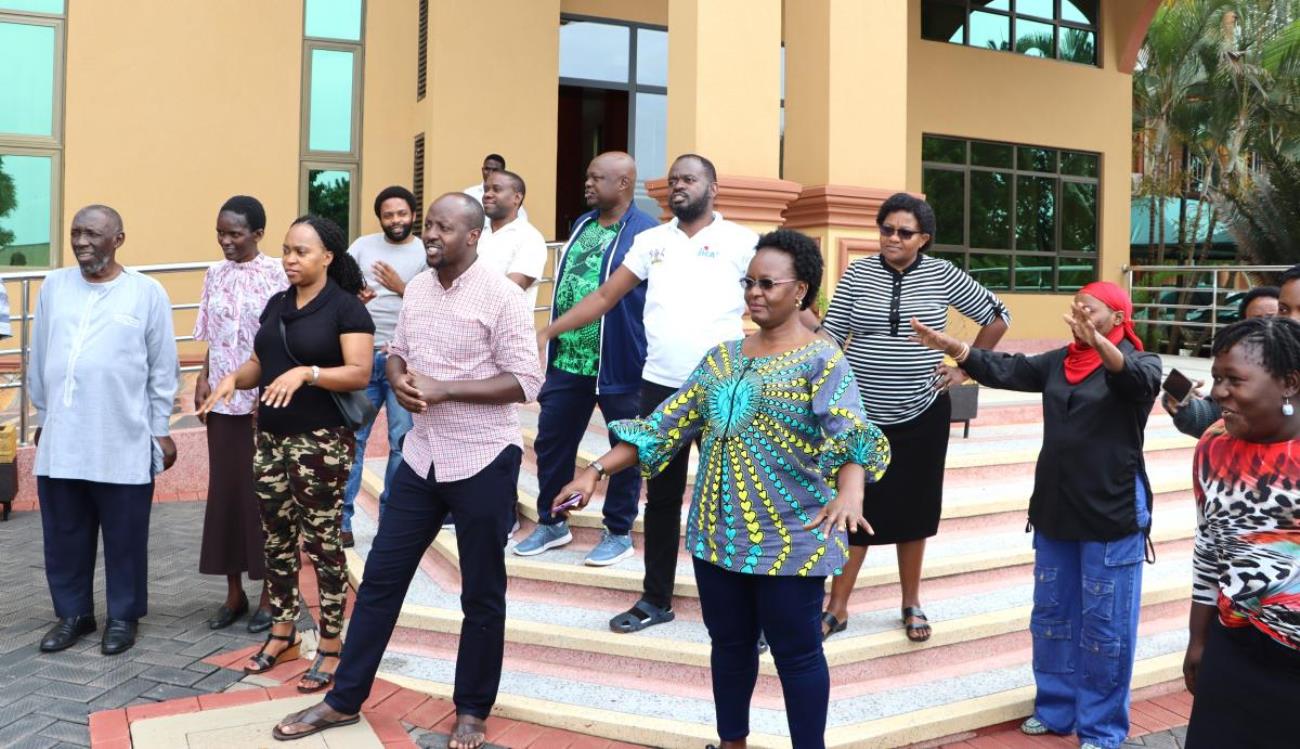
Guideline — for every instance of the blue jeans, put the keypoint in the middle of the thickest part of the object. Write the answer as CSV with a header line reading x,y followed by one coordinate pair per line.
x,y
399,423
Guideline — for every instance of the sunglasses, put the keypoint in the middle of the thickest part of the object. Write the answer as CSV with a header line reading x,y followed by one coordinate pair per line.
x,y
764,284
903,234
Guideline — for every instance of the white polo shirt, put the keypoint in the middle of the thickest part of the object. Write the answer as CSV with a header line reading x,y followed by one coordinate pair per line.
x,y
693,296
517,248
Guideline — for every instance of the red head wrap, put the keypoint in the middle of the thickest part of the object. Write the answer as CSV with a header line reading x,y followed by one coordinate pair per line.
x,y
1082,360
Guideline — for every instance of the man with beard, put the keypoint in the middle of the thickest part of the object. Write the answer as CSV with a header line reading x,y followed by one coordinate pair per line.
x,y
461,357
103,375
692,266
388,260
596,363
511,245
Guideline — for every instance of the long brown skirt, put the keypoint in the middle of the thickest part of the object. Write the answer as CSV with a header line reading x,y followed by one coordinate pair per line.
x,y
232,524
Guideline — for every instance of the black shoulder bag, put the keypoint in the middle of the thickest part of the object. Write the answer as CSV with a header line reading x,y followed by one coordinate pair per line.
x,y
354,406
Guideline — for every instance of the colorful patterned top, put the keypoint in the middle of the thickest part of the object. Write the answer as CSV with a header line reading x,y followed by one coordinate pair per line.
x,y
578,351
234,295
1247,555
774,431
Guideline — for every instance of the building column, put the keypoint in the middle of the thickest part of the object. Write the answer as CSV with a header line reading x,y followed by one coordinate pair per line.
x,y
724,102
846,114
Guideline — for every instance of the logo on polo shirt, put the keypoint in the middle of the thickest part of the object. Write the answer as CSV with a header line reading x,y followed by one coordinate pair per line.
x,y
706,251
656,256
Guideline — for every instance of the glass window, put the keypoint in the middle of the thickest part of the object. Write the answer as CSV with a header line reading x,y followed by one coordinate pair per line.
x,y
990,154
1079,11
26,189
1037,159
1078,45
1061,29
594,51
1040,8
1035,39
1075,273
1034,272
329,123
943,150
652,58
1079,164
651,145
1078,217
945,190
51,7
990,202
27,86
993,271
329,194
944,22
1036,214
333,19
990,31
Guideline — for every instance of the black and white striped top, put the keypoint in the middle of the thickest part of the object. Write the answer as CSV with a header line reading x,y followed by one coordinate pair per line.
x,y
871,309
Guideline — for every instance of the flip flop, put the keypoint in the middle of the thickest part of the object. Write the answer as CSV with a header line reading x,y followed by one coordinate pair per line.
x,y
316,722
643,614
833,625
915,612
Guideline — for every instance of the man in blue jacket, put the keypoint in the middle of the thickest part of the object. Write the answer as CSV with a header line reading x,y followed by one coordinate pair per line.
x,y
595,364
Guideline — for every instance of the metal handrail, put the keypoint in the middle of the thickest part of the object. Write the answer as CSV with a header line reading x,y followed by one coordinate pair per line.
x,y
1140,273
24,316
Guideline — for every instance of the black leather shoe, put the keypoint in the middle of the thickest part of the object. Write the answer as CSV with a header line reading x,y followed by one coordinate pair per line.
x,y
260,621
119,636
227,616
66,633
348,540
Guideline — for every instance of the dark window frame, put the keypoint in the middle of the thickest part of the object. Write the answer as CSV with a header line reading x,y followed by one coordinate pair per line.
x,y
1057,22
1058,255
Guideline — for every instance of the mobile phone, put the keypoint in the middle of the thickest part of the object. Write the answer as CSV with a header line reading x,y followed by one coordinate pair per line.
x,y
569,503
1178,386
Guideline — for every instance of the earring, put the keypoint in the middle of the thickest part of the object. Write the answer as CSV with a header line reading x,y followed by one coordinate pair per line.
x,y
1287,408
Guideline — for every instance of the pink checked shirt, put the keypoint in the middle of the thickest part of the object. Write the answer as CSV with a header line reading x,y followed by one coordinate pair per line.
x,y
479,328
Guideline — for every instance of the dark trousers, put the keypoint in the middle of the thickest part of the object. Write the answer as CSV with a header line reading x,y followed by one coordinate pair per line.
x,y
663,512
787,610
1246,693
72,514
416,509
567,401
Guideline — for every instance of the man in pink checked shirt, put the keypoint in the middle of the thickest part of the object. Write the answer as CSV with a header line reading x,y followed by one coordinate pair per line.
x,y
462,355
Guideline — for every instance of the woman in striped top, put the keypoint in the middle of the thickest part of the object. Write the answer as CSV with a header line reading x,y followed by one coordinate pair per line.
x,y
904,388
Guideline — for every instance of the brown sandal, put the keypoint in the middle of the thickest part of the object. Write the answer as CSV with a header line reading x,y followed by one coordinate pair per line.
x,y
317,723
915,612
266,662
317,678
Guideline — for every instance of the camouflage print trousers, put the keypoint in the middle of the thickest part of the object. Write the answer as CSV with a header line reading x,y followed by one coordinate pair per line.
x,y
300,482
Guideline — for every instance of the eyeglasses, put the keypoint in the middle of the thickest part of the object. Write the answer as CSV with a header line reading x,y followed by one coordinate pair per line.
x,y
903,234
764,284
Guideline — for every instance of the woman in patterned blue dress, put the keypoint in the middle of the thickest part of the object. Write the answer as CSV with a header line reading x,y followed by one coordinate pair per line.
x,y
785,450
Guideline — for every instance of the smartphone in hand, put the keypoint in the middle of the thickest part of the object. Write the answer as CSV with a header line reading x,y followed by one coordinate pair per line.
x,y
1178,386
569,503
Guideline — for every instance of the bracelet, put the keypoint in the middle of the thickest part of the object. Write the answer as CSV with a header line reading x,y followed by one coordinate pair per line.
x,y
600,470
315,375
963,354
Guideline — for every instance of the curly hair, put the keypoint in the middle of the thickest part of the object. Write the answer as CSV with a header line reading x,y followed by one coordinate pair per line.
x,y
343,268
804,254
921,210
1275,340
395,191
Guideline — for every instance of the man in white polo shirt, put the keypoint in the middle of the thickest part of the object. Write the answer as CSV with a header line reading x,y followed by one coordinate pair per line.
x,y
492,163
510,245
692,266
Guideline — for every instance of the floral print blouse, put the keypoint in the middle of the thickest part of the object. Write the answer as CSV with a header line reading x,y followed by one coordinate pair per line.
x,y
234,295
774,432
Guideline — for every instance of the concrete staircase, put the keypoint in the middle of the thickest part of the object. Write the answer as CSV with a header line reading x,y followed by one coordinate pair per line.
x,y
566,669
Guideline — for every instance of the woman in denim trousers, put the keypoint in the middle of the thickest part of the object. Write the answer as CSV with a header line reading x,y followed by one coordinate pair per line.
x,y
1090,510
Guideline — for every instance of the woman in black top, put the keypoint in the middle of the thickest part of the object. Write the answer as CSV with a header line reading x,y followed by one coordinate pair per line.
x,y
1090,510
868,317
304,451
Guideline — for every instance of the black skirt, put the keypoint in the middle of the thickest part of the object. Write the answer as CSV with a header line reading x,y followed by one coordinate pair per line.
x,y
1247,692
232,522
905,505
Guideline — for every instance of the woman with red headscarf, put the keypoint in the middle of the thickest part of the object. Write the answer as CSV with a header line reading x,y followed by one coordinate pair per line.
x,y
1090,510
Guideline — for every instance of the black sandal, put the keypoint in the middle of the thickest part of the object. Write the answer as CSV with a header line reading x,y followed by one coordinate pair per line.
x,y
266,662
319,679
642,614
833,625
315,723
915,612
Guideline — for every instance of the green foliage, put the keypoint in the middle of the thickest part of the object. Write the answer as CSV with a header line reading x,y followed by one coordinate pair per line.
x,y
1265,220
330,198
8,202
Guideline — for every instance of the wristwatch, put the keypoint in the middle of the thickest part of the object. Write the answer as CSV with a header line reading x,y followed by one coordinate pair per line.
x,y
600,470
315,374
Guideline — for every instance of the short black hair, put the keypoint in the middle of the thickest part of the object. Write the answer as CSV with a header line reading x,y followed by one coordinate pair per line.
x,y
709,169
515,180
250,208
343,268
1289,275
901,201
496,157
114,218
396,191
804,253
1276,340
1259,292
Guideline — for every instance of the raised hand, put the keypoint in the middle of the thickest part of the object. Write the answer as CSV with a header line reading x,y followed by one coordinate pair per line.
x,y
1081,325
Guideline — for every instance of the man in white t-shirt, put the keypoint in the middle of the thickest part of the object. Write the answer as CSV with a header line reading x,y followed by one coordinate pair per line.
x,y
492,163
388,260
692,266
510,245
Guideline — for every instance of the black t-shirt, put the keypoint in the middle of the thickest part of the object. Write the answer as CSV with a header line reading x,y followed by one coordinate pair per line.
x,y
313,333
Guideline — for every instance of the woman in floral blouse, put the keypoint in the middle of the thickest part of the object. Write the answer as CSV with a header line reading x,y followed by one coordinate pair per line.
x,y
235,292
785,451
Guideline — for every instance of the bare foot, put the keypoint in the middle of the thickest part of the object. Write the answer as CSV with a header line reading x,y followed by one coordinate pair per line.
x,y
470,733
317,718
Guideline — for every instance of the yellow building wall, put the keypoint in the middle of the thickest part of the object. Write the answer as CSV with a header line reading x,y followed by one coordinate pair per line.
x,y
984,94
641,11
389,122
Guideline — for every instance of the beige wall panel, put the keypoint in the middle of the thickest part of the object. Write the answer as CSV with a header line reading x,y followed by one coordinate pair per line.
x,y
389,123
172,107
640,11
